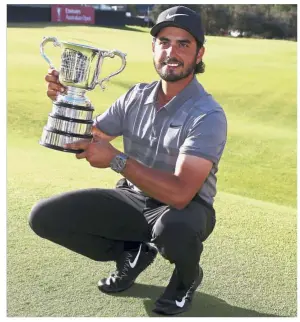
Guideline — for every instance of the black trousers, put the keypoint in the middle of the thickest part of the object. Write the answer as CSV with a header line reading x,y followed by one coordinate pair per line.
x,y
97,223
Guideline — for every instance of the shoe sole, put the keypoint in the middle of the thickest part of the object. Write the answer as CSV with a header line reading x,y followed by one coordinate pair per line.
x,y
115,290
162,312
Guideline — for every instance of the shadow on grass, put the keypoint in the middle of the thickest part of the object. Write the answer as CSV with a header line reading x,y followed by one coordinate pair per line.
x,y
53,24
203,304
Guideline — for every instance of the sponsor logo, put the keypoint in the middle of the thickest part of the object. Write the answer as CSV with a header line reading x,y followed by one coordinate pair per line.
x,y
181,303
132,265
177,14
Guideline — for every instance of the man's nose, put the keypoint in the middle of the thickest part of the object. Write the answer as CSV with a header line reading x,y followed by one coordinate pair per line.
x,y
171,50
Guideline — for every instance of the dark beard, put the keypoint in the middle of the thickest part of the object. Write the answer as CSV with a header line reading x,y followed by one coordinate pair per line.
x,y
170,77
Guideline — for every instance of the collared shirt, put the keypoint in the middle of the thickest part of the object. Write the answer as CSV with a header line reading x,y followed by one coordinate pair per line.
x,y
192,123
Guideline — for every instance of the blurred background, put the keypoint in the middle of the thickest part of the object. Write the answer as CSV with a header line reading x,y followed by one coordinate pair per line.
x,y
269,21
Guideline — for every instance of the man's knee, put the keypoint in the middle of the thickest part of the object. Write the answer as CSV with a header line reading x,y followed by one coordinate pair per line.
x,y
39,218
175,239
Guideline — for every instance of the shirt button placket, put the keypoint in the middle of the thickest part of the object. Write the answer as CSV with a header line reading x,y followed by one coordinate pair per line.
x,y
153,130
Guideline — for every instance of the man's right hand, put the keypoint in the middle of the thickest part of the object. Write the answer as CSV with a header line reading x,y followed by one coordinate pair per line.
x,y
54,87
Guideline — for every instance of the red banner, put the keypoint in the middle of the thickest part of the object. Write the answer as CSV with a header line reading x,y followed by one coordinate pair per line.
x,y
73,14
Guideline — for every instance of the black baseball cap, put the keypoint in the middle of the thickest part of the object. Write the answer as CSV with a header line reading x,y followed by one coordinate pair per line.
x,y
180,17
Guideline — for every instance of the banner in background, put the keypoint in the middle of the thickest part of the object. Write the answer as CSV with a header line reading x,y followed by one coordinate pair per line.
x,y
73,14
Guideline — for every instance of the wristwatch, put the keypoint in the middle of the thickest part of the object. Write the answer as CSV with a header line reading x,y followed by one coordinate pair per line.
x,y
118,163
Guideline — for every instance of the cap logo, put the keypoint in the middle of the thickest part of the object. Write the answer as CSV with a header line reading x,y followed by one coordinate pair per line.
x,y
177,14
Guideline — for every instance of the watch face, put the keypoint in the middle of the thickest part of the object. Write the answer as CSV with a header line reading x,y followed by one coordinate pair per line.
x,y
119,162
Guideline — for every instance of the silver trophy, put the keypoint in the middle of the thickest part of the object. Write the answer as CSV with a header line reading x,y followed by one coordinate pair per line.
x,y
71,118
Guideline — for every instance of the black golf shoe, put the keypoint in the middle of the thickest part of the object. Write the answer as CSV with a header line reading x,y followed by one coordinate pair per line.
x,y
129,266
177,298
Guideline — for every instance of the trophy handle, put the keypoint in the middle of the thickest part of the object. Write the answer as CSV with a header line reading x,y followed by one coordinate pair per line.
x,y
42,45
111,54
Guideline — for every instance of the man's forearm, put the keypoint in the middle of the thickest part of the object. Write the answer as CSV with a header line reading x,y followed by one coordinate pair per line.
x,y
163,186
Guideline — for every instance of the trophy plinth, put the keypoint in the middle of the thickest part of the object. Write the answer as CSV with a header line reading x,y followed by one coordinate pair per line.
x,y
71,118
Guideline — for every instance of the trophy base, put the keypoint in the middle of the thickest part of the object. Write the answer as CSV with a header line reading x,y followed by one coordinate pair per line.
x,y
58,148
56,139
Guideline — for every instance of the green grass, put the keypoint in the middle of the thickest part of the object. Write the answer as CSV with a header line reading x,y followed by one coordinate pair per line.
x,y
250,259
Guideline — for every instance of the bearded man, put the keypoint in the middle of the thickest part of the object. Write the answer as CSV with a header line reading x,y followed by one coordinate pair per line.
x,y
174,134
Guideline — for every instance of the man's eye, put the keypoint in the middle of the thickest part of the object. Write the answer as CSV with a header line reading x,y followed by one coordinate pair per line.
x,y
184,45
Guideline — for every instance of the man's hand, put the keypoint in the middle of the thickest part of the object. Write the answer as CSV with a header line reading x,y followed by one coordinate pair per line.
x,y
98,153
54,87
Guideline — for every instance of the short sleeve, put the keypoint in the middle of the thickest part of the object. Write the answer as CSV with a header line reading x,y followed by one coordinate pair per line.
x,y
207,137
111,121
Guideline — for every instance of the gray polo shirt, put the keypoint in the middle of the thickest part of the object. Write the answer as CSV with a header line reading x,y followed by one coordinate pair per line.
x,y
192,123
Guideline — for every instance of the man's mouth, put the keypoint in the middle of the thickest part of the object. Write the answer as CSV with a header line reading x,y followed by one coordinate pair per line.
x,y
172,63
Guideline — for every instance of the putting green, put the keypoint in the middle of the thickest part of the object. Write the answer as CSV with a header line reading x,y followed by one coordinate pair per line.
x,y
250,259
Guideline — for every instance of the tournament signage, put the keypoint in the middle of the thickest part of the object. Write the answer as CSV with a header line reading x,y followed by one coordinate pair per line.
x,y
73,14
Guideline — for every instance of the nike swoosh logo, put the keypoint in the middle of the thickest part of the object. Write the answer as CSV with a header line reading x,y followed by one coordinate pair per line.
x,y
181,303
132,265
177,14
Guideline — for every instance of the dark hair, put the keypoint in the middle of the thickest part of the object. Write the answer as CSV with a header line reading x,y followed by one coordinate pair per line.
x,y
200,68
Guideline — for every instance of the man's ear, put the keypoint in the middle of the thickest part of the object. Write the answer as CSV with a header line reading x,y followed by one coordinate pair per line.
x,y
200,54
153,44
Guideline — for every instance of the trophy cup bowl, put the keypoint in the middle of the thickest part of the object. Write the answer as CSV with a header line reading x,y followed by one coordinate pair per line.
x,y
71,118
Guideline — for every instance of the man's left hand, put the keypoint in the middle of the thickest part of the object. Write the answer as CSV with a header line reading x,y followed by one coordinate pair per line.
x,y
98,153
